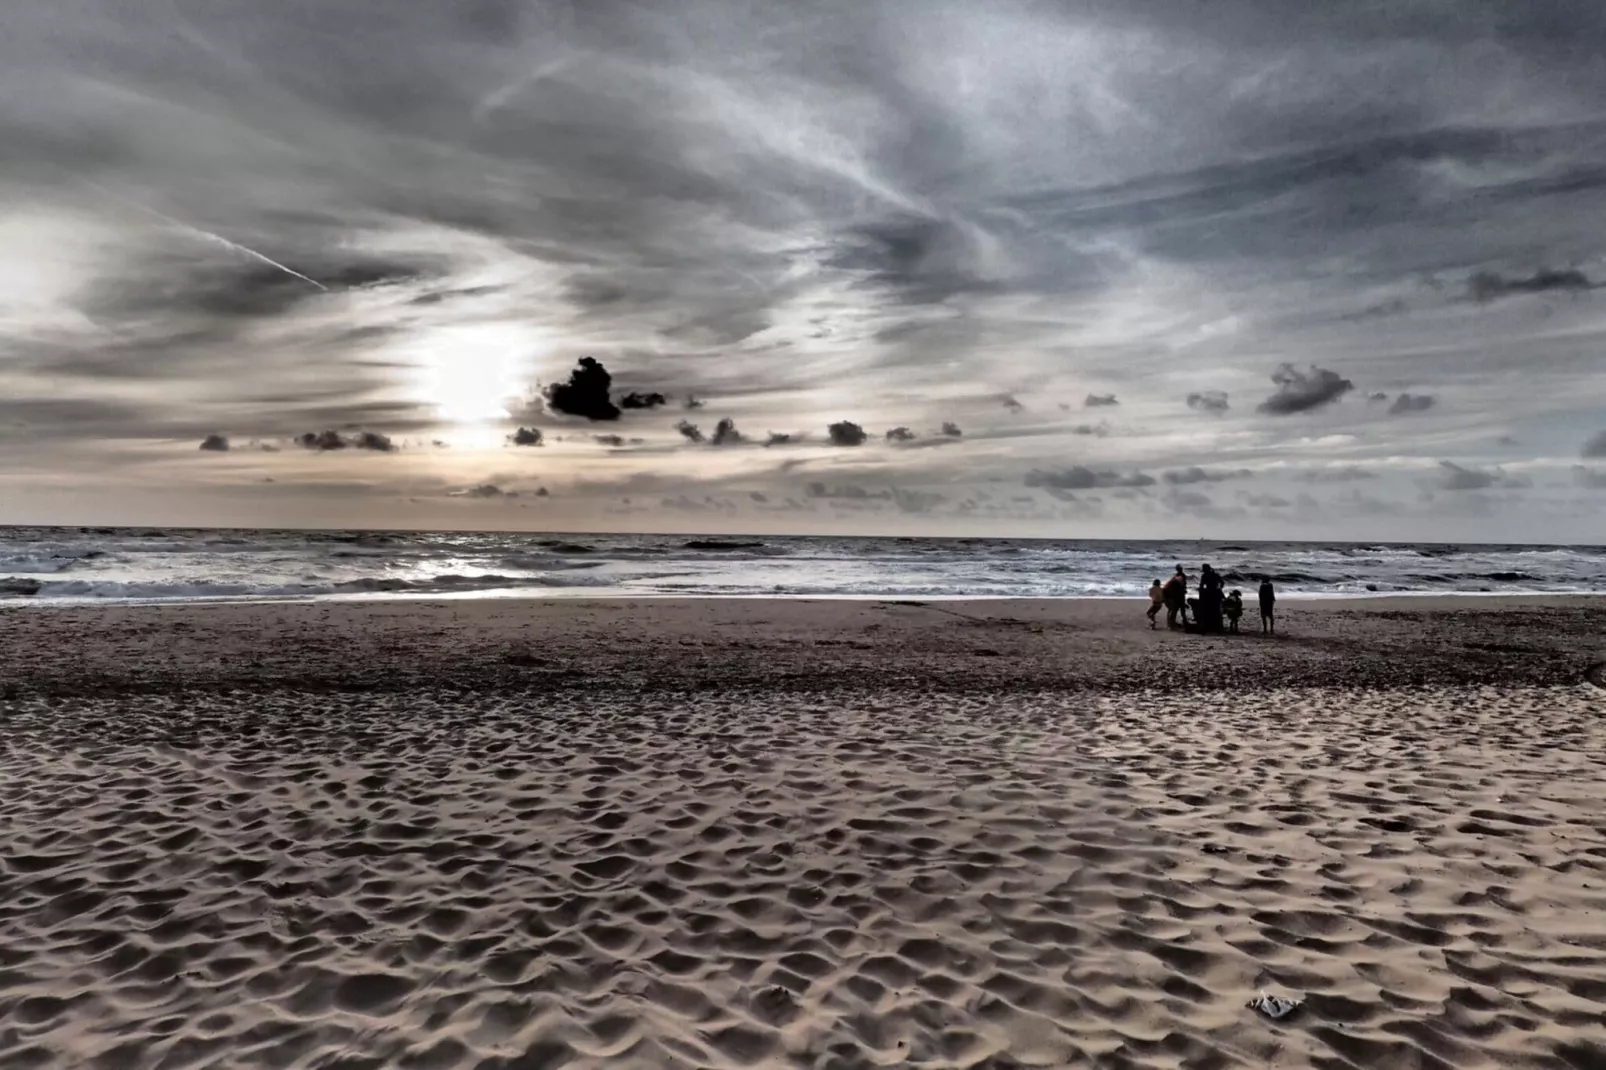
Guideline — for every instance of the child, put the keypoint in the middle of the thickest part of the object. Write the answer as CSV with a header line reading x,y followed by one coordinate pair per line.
x,y
1156,601
1268,605
1234,608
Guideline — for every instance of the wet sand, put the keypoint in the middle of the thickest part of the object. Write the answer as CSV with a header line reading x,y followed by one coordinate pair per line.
x,y
778,834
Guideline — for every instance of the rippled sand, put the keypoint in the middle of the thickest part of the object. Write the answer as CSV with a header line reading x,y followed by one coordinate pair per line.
x,y
783,877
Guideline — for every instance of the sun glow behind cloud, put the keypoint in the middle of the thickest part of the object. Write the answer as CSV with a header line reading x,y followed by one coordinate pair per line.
x,y
473,375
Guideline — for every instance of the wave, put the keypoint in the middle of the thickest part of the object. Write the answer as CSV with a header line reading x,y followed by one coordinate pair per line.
x,y
113,590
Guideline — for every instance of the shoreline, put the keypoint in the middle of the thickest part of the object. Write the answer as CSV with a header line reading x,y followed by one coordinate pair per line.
x,y
592,594
766,644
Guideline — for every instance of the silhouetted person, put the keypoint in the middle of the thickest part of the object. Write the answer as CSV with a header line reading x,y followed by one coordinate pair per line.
x,y
1208,606
1156,602
1176,598
1268,608
1235,609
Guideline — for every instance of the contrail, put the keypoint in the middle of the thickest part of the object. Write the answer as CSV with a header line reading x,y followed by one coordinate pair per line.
x,y
200,233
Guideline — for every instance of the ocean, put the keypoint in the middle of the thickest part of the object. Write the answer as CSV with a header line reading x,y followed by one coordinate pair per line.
x,y
101,565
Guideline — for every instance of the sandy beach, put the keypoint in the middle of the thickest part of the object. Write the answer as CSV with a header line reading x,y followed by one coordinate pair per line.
x,y
521,834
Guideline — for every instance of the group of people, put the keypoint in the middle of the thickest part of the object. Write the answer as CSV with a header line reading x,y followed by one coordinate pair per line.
x,y
1213,609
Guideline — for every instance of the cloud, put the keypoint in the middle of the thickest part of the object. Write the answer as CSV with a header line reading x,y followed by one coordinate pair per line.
x,y
613,441
1099,401
1595,446
781,438
1187,476
845,492
950,430
483,490
693,401
1591,478
1299,391
690,431
1346,473
634,400
846,433
1012,404
528,436
1208,401
1455,477
916,501
1267,501
327,441
901,434
215,444
758,496
1491,285
1377,398
1408,403
1091,430
585,393
725,433
1082,478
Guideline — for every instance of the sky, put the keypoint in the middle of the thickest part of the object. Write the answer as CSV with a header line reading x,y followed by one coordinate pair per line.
x,y
1112,268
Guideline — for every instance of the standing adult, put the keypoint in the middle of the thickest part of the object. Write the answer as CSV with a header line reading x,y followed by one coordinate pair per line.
x,y
1176,598
1268,608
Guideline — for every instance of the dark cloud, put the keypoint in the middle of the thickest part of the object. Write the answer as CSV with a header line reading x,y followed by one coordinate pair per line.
x,y
1185,476
1491,285
758,496
846,433
322,441
1208,401
781,438
1589,478
484,490
1595,447
690,431
845,492
1091,430
693,401
1348,473
1012,404
1082,478
1099,401
585,394
725,433
1409,403
1267,501
901,434
528,436
1299,391
1455,477
325,441
615,441
1377,398
916,501
215,444
635,400
950,430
